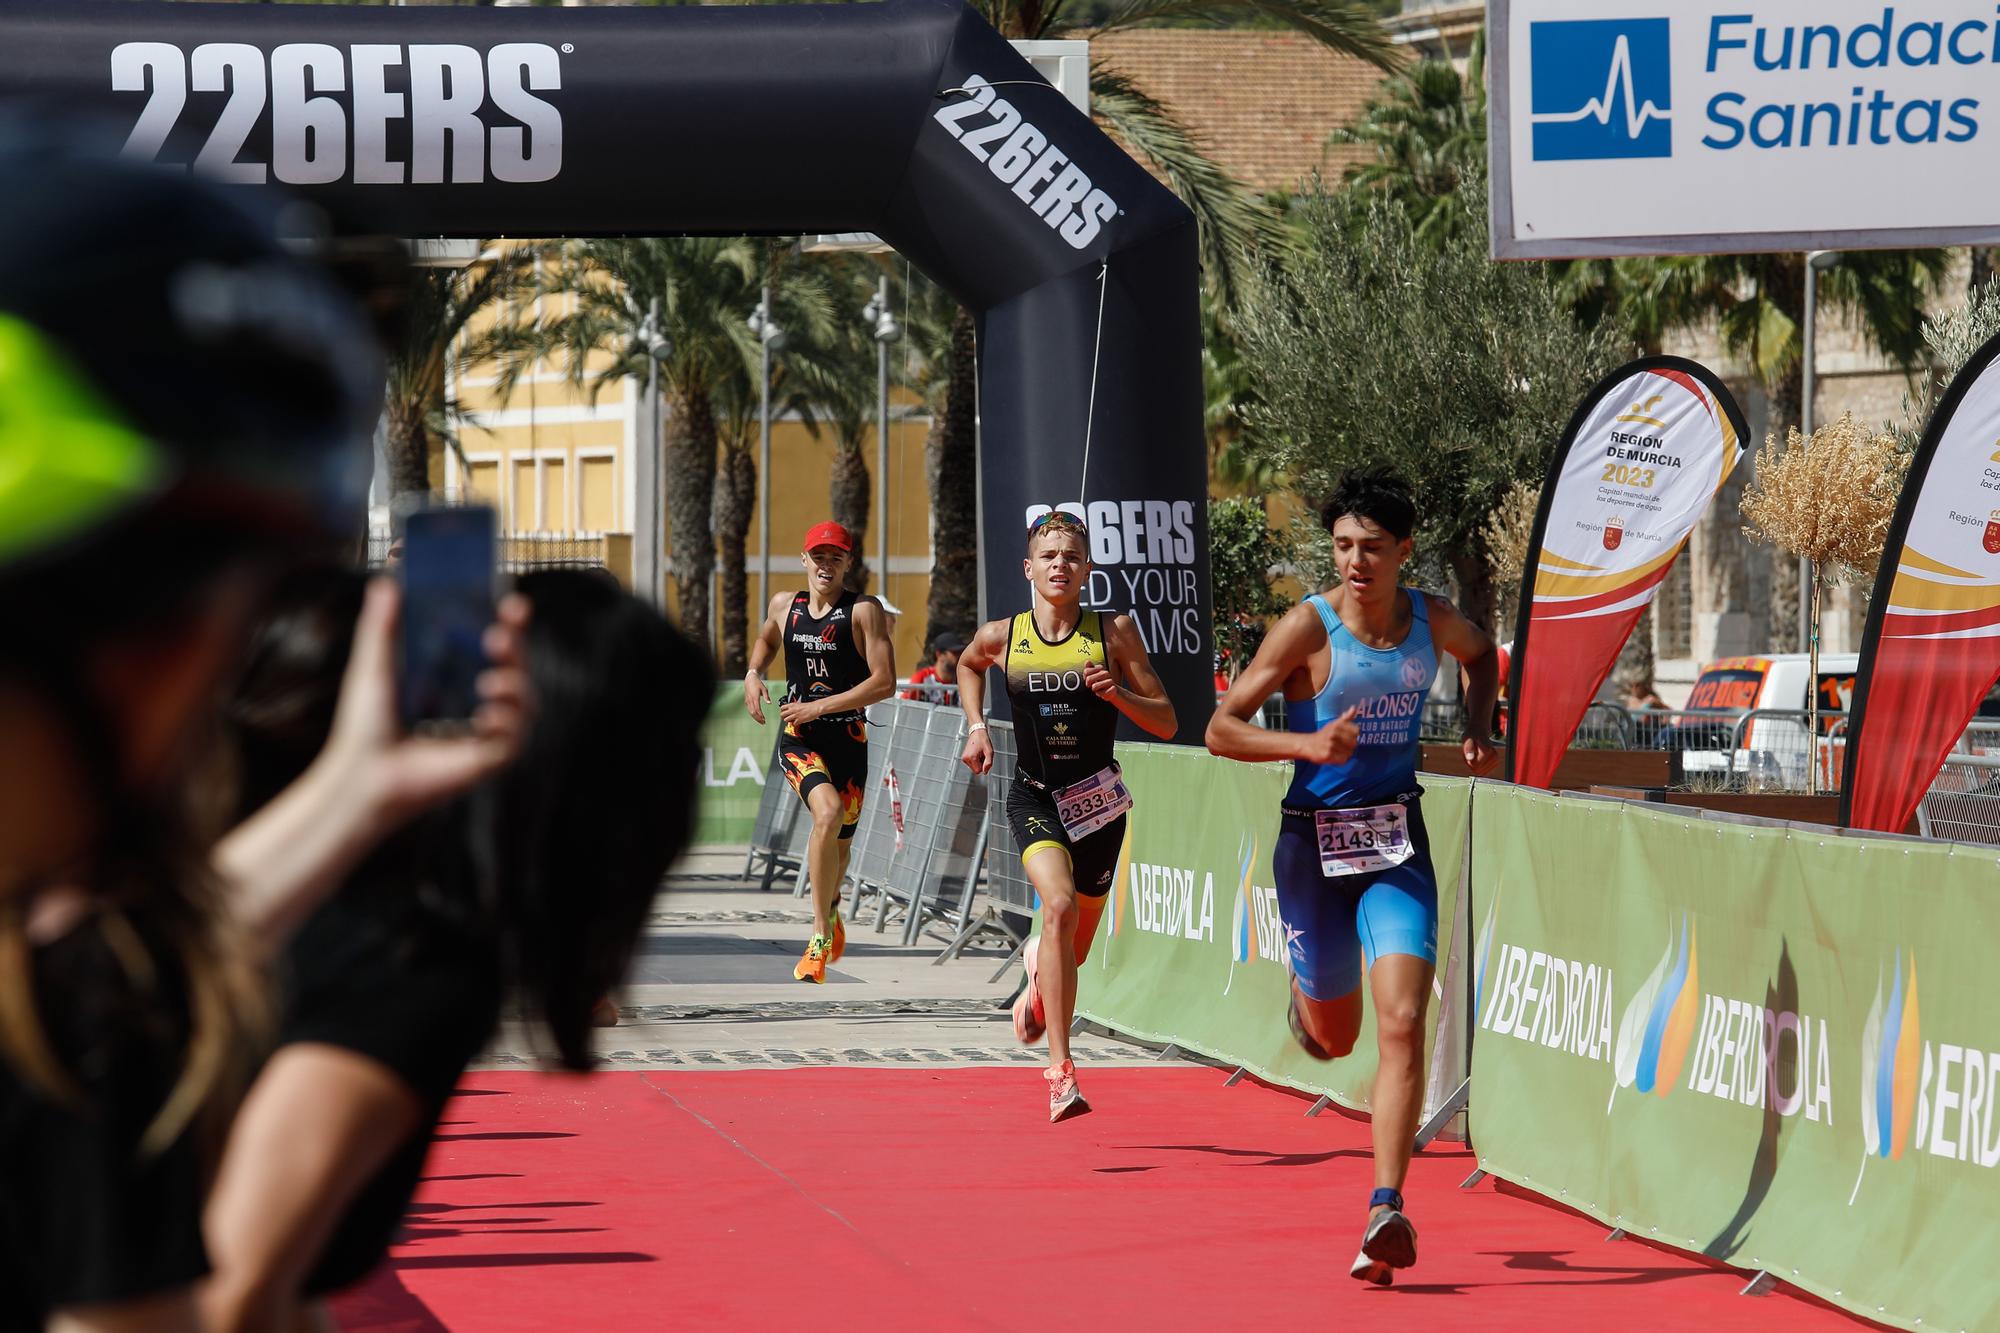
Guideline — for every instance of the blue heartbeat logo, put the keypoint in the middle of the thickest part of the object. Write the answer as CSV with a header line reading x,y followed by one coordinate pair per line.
x,y
1600,88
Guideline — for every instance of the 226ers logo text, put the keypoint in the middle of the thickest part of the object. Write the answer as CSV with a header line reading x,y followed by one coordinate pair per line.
x,y
327,112
1991,541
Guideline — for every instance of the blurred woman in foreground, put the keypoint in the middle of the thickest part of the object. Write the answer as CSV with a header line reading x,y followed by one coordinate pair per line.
x,y
537,886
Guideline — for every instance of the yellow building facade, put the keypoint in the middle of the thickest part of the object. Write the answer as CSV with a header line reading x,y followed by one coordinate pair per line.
x,y
559,466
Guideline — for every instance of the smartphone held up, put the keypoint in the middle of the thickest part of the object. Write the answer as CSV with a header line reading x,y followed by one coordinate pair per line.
x,y
448,571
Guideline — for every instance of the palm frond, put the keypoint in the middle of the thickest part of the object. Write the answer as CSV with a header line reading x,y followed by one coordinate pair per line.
x,y
1233,226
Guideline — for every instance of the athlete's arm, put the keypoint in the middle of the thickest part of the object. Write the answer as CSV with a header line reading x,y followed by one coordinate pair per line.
x,y
871,635
1142,698
763,648
983,652
1288,648
1473,647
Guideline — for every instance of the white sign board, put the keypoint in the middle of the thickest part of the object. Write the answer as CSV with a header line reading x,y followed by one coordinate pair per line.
x,y
1704,126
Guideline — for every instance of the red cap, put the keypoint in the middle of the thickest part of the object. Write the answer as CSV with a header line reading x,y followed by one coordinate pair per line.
x,y
828,534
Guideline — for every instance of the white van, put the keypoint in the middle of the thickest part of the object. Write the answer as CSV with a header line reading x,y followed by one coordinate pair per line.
x,y
1765,749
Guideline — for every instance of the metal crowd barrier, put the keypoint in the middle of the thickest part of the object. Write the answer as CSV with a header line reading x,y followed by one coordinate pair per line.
x,y
1963,803
934,792
778,838
1009,912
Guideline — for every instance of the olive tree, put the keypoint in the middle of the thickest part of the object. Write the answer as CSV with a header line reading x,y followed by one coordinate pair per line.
x,y
1376,346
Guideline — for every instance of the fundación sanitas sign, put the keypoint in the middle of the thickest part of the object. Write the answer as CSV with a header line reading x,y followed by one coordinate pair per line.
x,y
1637,126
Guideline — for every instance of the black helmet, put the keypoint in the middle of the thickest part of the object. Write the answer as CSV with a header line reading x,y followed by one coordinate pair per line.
x,y
171,356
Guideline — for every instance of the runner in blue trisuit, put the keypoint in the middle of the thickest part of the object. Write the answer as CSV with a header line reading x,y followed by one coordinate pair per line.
x,y
1352,861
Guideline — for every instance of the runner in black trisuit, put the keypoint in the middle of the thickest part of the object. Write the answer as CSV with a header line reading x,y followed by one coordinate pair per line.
x,y
1067,806
838,660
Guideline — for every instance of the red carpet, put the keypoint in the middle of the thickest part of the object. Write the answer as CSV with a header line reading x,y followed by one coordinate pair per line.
x,y
938,1199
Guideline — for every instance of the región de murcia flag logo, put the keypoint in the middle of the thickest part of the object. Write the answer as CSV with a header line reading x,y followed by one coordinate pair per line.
x,y
1992,539
1614,532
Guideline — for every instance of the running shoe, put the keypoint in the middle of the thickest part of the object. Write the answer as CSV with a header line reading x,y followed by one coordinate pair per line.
x,y
1299,1034
1389,1243
1030,1020
839,939
812,967
1065,1098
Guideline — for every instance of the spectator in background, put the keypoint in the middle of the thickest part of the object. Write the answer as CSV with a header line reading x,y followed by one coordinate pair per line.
x,y
927,682
1638,696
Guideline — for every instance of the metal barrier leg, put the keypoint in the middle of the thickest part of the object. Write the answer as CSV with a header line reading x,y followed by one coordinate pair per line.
x,y
1452,1105
1012,956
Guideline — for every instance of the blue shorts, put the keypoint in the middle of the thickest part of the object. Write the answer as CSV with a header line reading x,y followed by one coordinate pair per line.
x,y
1332,922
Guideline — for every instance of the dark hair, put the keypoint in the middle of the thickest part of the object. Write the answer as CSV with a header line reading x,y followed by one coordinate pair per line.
x,y
603,797
561,854
1380,496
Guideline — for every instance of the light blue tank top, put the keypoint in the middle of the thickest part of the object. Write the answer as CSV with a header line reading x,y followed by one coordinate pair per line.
x,y
1389,686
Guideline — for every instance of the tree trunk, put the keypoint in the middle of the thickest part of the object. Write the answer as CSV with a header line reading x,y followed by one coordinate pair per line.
x,y
1473,574
690,486
735,501
848,495
406,449
951,462
1980,271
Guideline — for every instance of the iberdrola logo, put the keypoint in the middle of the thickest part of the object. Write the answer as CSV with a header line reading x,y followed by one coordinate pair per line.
x,y
1243,929
1658,1025
1891,1057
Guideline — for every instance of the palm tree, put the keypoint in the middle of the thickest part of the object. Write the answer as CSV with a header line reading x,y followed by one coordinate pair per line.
x,y
1426,130
418,409
705,287
802,305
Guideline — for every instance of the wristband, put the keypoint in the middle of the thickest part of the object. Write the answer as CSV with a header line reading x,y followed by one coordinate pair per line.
x,y
977,726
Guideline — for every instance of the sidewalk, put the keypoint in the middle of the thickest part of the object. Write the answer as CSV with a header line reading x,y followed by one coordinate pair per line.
x,y
712,988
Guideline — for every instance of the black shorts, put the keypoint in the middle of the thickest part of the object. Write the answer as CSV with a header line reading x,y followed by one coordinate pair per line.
x,y
1031,813
835,752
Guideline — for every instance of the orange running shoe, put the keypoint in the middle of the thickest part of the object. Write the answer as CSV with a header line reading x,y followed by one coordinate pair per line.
x,y
812,967
1065,1098
839,939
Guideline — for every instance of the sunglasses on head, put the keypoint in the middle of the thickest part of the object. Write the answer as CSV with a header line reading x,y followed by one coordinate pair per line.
x,y
1057,518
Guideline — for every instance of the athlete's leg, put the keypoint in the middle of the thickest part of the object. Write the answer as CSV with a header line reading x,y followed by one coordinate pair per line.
x,y
1088,912
825,853
1400,987
1319,917
1048,869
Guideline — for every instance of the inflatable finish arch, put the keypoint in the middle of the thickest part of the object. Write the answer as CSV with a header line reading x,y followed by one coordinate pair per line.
x,y
911,118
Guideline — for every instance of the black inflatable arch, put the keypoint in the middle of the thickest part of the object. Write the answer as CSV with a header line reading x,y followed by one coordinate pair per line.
x,y
912,119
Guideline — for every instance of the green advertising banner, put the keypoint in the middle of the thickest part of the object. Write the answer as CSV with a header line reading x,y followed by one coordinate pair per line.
x,y
1192,948
735,763
1774,1046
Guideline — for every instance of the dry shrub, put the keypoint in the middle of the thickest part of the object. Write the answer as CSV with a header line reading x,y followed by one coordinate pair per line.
x,y
1508,529
1828,498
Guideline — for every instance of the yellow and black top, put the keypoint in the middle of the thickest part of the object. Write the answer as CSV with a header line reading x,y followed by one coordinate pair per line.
x,y
1064,731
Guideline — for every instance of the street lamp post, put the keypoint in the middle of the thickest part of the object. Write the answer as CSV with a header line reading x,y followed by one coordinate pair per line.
x,y
770,339
1817,262
885,331
649,536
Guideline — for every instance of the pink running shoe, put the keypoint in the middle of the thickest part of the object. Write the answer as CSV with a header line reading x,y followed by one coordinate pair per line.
x,y
1065,1098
